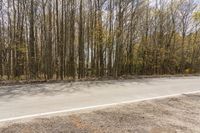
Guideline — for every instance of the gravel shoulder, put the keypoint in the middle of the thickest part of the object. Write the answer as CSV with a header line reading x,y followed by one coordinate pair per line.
x,y
169,115
125,77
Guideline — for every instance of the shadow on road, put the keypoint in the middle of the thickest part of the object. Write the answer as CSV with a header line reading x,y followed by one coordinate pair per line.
x,y
59,88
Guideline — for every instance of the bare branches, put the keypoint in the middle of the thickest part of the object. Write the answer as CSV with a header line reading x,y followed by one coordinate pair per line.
x,y
68,39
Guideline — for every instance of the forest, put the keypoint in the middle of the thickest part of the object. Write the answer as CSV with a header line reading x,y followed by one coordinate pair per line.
x,y
78,39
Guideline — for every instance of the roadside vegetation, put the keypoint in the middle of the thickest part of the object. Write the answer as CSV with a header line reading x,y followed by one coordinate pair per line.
x,y
69,39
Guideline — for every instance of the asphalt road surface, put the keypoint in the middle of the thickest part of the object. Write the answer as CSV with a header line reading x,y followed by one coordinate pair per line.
x,y
23,101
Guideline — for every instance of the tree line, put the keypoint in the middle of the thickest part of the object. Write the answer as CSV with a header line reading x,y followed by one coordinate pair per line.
x,y
68,39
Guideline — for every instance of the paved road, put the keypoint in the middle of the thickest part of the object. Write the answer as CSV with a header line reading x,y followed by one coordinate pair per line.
x,y
23,100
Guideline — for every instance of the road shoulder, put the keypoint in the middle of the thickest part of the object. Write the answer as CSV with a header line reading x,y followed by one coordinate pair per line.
x,y
175,114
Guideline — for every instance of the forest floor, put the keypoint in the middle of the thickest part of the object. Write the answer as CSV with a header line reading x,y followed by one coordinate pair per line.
x,y
167,115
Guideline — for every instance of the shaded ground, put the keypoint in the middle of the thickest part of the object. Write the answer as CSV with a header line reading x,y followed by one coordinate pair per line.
x,y
4,82
178,114
15,91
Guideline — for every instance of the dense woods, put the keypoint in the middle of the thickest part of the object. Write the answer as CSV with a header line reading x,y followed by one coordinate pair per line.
x,y
68,39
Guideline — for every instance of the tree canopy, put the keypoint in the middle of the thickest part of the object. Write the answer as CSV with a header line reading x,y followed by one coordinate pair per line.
x,y
68,39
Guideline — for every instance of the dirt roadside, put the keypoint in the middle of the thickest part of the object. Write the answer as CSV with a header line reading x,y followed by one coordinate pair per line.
x,y
171,115
22,82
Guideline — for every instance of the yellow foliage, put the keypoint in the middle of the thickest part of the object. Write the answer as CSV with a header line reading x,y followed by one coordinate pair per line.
x,y
188,71
196,16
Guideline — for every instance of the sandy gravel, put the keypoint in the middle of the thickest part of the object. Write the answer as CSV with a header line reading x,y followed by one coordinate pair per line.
x,y
178,114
